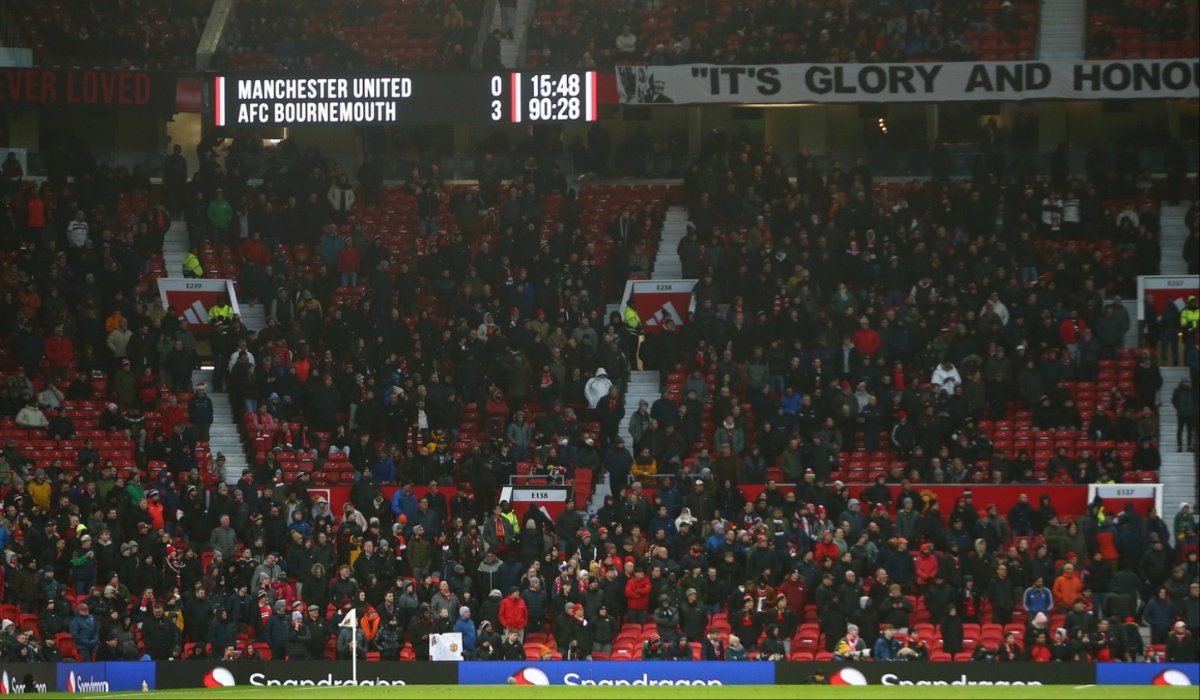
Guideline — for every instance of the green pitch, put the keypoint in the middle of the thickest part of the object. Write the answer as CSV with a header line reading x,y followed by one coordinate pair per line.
x,y
443,692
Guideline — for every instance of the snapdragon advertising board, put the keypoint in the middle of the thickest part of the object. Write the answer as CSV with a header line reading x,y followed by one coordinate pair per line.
x,y
199,674
950,674
614,673
1148,674
105,677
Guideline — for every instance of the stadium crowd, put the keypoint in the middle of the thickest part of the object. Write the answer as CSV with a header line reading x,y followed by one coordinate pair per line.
x,y
587,35
835,318
147,34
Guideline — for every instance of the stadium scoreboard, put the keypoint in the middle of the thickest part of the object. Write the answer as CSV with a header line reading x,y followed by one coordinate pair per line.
x,y
516,97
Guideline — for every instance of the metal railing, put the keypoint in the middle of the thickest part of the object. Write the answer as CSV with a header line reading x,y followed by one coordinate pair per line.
x,y
10,36
485,27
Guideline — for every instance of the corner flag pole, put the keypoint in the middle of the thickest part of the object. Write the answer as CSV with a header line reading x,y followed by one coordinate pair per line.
x,y
351,621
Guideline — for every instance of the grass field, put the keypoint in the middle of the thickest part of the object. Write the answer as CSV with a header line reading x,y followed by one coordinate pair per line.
x,y
442,692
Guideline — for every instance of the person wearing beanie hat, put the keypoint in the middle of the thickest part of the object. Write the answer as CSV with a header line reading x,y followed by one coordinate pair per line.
x,y
86,632
466,627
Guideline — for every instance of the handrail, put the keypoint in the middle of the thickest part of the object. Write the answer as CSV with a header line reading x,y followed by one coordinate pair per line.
x,y
214,32
10,36
523,47
485,26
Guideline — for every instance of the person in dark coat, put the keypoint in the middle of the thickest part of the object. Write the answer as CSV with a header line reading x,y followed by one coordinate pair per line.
x,y
512,649
419,630
298,638
276,633
1181,645
160,635
952,632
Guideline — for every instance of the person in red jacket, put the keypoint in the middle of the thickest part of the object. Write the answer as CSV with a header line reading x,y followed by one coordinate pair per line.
x,y
865,339
797,595
927,565
514,615
347,264
1071,331
60,354
637,593
172,412
827,548
253,249
35,219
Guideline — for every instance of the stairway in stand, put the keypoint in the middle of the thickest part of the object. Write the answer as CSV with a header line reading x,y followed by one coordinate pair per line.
x,y
224,437
510,49
667,265
1178,472
175,248
1062,31
1174,234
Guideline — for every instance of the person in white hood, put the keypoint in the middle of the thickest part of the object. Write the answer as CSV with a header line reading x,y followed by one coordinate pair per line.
x,y
946,377
597,387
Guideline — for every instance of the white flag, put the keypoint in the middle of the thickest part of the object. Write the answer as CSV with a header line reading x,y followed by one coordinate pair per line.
x,y
446,647
350,620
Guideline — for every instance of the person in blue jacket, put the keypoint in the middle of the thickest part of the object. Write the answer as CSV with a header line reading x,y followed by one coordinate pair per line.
x,y
887,646
466,627
404,501
86,632
1038,598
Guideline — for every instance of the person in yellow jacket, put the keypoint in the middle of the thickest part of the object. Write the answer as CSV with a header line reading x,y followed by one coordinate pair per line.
x,y
645,465
40,489
1189,318
191,265
634,333
221,311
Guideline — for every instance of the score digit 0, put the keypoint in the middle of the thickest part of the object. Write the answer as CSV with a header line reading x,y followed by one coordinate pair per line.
x,y
497,112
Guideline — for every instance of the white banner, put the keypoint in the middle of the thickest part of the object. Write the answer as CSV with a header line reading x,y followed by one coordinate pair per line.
x,y
1166,289
798,83
539,494
1115,496
446,647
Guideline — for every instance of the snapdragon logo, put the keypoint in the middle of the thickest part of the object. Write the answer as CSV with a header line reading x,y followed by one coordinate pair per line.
x,y
76,684
893,679
1172,676
13,685
261,679
576,679
219,677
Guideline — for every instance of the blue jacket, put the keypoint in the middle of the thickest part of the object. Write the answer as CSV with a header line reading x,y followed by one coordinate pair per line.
x,y
1159,616
1036,602
618,462
900,566
86,631
467,629
330,247
277,631
885,649
405,503
384,470
1020,517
